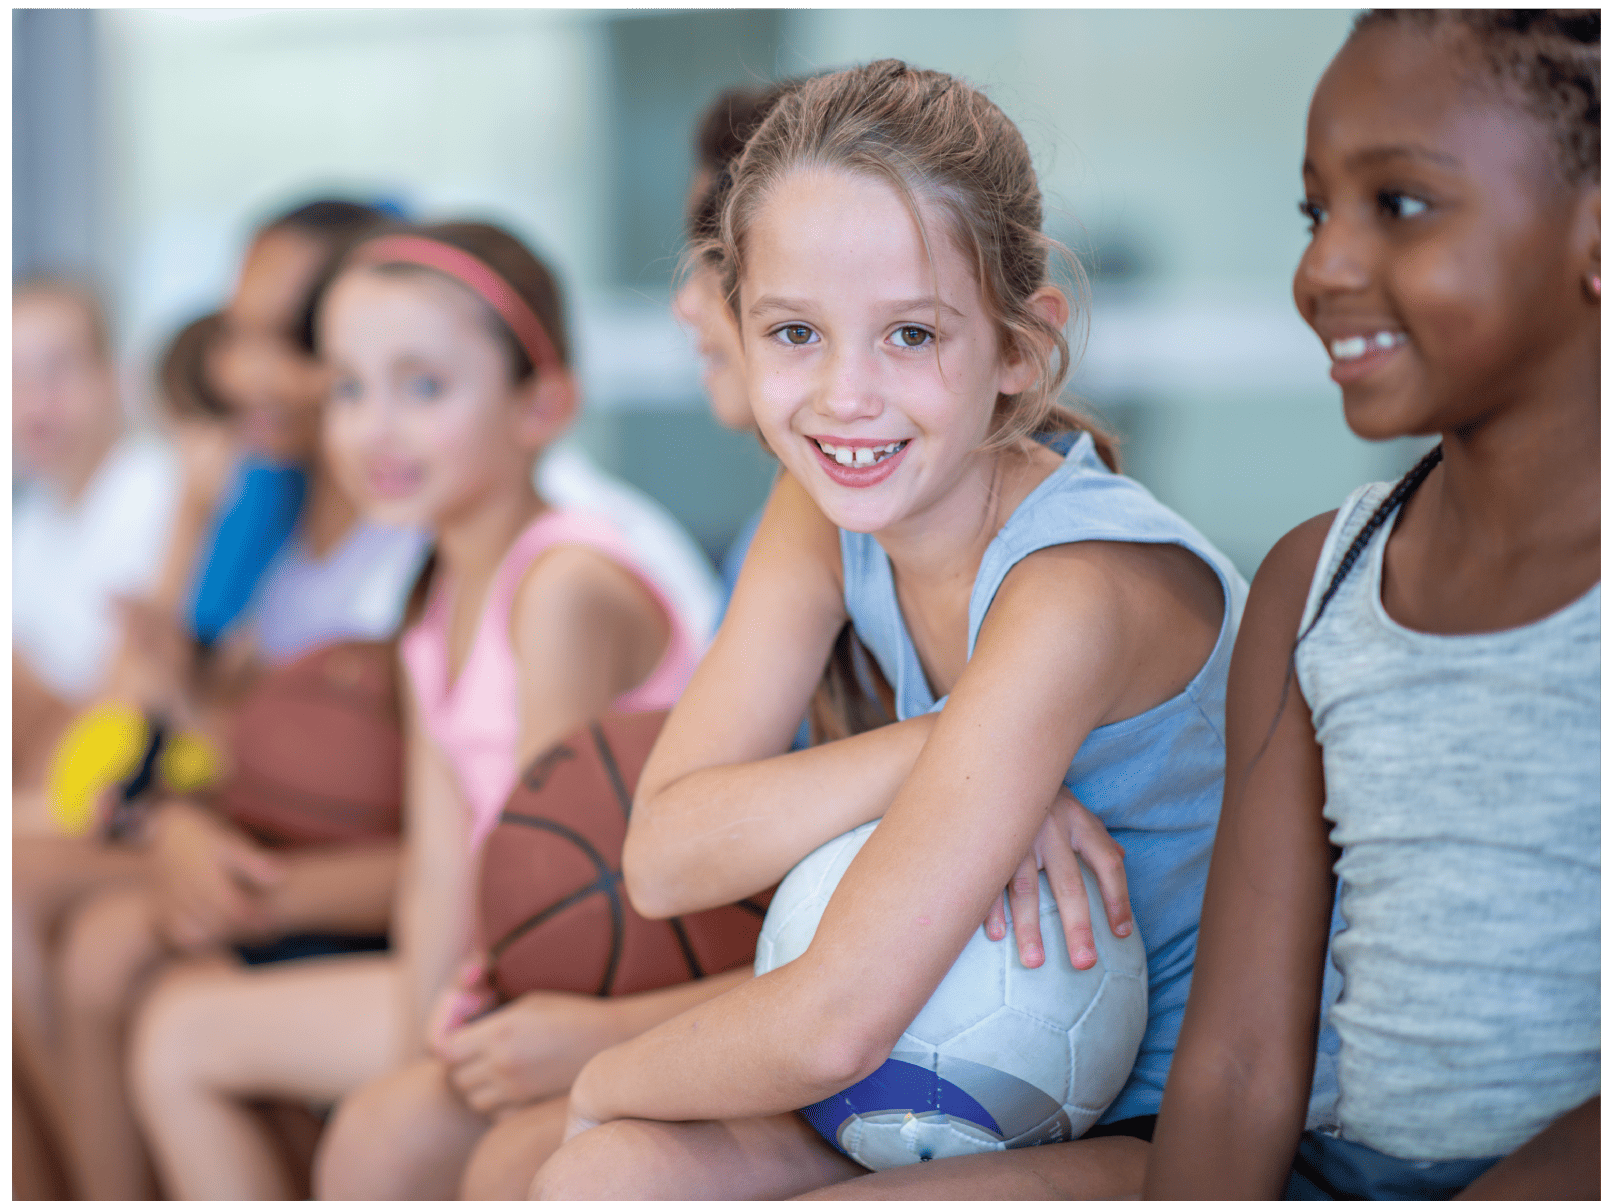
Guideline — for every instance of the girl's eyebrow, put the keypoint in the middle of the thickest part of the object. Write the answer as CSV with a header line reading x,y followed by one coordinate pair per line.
x,y
1370,155
783,304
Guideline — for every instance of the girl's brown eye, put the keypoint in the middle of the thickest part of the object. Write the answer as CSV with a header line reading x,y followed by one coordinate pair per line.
x,y
912,336
796,335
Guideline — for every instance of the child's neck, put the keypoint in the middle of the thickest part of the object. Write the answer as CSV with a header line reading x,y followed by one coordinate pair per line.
x,y
472,544
1527,475
948,540
329,515
1507,530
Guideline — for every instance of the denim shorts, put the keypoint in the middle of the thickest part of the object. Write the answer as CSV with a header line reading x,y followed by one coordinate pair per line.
x,y
1333,1169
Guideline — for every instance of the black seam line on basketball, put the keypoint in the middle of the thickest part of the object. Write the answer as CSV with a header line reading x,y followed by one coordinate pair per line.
x,y
609,761
545,914
750,906
617,931
605,879
684,945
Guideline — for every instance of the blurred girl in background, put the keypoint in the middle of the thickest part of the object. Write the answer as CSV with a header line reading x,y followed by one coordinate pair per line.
x,y
448,355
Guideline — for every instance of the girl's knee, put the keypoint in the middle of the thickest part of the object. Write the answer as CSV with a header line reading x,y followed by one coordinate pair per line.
x,y
107,947
166,1044
380,1131
614,1160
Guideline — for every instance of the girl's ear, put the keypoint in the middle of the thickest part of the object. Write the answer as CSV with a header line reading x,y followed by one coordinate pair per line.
x,y
1050,305
545,405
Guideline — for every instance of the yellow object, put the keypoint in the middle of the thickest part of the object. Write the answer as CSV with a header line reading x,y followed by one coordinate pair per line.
x,y
100,748
189,763
105,746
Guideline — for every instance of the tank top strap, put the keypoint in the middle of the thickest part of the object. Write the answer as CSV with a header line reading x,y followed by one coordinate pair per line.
x,y
1084,501
1352,516
554,527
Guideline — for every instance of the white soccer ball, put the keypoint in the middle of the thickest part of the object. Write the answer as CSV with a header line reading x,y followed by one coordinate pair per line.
x,y
1001,1056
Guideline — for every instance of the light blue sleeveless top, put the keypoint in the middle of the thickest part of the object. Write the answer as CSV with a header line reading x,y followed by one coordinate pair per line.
x,y
1155,779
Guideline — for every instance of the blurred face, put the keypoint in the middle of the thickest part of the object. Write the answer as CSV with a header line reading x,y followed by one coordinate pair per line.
x,y
258,367
63,394
1440,275
699,306
875,389
423,421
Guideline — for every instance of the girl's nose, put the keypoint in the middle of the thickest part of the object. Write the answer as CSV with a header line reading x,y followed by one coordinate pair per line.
x,y
850,387
1339,259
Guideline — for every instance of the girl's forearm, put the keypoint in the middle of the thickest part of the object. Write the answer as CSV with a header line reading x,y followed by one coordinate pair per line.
x,y
349,890
722,833
639,1012
746,1053
1229,1133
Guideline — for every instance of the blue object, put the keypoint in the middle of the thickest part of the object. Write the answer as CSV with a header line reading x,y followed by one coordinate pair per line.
x,y
248,531
900,1086
1328,1168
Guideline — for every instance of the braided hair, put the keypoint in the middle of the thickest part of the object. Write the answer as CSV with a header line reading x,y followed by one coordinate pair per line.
x,y
1393,502
1399,495
1547,58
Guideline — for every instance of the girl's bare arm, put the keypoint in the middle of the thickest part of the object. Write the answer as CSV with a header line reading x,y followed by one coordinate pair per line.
x,y
432,925
1235,1101
721,811
349,889
1062,645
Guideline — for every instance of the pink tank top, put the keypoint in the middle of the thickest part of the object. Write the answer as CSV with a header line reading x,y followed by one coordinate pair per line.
x,y
474,721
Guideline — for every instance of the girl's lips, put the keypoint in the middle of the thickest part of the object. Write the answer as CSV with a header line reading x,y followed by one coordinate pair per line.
x,y
393,482
1358,356
857,477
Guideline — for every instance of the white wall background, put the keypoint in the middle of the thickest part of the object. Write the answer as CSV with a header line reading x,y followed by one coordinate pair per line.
x,y
1169,140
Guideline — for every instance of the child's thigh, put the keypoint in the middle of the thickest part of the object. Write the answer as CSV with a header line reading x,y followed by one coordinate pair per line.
x,y
1102,1168
406,1134
312,1030
749,1159
505,1161
51,872
109,946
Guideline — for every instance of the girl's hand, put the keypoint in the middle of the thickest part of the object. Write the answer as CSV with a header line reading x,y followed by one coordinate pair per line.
x,y
527,1050
210,879
467,999
1069,827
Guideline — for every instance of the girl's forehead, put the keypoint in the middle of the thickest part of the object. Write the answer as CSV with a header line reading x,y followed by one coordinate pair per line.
x,y
827,220
1424,92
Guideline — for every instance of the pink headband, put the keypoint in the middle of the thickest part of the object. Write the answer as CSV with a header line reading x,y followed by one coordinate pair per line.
x,y
477,275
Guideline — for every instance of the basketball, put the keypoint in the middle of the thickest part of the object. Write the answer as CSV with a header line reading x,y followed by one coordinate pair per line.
x,y
1001,1055
317,750
553,909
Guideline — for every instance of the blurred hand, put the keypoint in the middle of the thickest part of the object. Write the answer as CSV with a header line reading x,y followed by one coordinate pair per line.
x,y
160,653
212,882
528,1049
469,997
1069,827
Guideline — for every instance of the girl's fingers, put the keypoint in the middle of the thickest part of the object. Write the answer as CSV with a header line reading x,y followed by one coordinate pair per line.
x,y
1025,890
1104,857
995,921
1072,900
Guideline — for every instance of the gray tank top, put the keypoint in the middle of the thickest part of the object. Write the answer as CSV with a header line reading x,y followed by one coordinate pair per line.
x,y
1463,779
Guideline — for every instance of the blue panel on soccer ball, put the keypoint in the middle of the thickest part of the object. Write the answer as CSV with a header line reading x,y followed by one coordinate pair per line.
x,y
899,1086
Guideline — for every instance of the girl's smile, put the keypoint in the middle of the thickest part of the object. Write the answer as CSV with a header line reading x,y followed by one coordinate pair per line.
x,y
873,369
1438,275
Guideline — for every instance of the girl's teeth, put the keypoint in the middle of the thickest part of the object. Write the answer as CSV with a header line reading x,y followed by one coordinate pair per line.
x,y
859,456
1356,347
